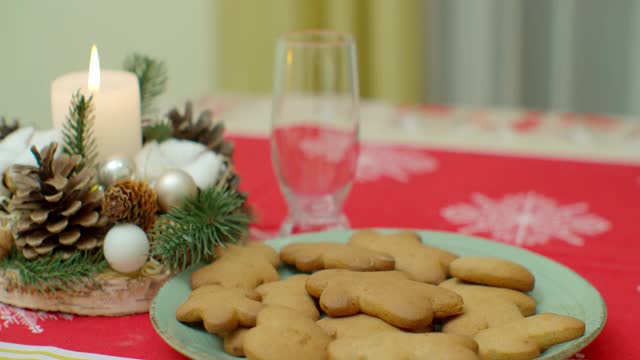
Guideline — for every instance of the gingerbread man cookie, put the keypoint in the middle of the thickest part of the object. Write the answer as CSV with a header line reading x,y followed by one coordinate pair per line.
x,y
400,345
421,262
357,326
290,293
388,295
285,334
233,342
492,271
310,257
242,266
485,307
222,310
527,338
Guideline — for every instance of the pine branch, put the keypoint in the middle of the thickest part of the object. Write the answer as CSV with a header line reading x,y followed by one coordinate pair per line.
x,y
77,131
47,274
189,235
152,79
159,130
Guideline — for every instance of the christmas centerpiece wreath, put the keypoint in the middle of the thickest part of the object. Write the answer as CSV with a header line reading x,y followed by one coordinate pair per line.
x,y
101,238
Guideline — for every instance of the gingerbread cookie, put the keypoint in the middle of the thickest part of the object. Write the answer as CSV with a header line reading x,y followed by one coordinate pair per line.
x,y
310,257
357,326
525,303
422,262
485,307
285,334
222,310
388,295
399,345
234,342
493,272
527,338
239,266
290,293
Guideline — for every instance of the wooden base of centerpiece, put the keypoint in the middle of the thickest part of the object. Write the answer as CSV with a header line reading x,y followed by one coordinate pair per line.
x,y
110,294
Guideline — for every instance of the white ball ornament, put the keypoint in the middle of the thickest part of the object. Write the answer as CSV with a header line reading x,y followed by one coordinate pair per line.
x,y
173,187
126,248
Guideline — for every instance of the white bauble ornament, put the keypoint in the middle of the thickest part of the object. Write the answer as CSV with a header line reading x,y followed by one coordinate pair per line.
x,y
126,248
173,187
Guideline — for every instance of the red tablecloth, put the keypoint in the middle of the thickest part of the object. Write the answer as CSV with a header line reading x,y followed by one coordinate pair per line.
x,y
581,214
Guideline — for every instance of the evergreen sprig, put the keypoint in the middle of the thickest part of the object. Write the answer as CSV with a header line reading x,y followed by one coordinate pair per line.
x,y
158,130
77,131
189,235
152,79
47,274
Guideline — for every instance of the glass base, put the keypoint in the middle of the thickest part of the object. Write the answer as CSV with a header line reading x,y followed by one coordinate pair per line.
x,y
292,226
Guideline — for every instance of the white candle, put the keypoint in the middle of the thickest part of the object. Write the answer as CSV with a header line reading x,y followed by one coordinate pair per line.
x,y
116,98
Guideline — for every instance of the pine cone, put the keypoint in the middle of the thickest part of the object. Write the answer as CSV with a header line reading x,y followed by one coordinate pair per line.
x,y
58,206
6,129
131,201
6,237
203,131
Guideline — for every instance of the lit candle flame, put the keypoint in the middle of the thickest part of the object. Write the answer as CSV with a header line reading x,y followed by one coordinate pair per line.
x,y
94,70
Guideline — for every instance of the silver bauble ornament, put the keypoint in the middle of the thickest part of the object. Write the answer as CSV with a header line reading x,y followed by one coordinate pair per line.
x,y
172,187
114,169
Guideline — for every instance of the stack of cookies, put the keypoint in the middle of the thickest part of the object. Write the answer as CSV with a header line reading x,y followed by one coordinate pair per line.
x,y
385,296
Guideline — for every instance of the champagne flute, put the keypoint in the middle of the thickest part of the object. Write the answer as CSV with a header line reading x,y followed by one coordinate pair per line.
x,y
315,118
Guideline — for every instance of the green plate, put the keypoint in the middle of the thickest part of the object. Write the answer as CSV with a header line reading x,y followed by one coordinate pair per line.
x,y
557,290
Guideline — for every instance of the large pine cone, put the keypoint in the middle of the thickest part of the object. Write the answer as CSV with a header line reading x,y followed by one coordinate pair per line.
x,y
58,205
6,237
202,131
131,201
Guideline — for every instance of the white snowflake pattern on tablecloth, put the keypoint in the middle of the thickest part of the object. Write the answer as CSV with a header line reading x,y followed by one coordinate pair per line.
x,y
526,219
376,162
13,316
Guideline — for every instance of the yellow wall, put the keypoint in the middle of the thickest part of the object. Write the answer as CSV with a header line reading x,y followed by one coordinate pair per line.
x,y
389,36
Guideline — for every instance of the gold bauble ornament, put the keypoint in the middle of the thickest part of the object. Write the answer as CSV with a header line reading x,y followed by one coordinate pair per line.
x,y
172,187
